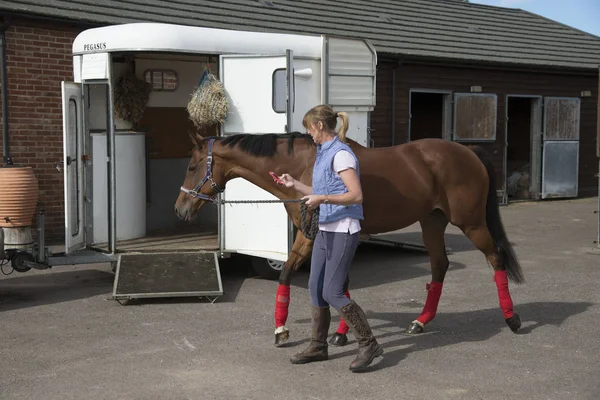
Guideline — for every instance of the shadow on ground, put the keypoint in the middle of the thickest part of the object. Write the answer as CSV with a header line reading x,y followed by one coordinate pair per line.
x,y
455,242
31,290
34,289
452,328
373,265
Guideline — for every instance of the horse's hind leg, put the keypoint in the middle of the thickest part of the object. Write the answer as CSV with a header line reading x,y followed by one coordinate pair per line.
x,y
433,227
482,239
339,338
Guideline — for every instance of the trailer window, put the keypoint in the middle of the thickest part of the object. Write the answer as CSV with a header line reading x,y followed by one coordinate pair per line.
x,y
73,147
162,80
279,90
475,116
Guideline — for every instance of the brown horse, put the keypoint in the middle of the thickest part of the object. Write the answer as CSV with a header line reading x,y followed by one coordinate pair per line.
x,y
432,181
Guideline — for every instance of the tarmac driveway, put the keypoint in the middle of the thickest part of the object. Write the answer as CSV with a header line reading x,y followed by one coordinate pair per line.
x,y
62,337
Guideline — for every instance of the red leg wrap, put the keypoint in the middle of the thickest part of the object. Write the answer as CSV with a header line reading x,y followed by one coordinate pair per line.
x,y
343,327
506,303
282,302
434,292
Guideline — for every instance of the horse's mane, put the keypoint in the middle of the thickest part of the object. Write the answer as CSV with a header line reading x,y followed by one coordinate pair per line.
x,y
262,145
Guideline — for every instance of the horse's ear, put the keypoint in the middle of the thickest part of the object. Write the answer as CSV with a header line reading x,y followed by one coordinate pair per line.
x,y
196,139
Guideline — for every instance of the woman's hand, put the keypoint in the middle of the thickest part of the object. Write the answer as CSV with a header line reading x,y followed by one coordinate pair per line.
x,y
287,180
313,200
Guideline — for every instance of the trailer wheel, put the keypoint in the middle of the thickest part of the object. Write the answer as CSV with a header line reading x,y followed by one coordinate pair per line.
x,y
267,268
18,261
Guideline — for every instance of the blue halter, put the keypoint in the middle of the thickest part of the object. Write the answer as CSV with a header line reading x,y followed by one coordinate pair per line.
x,y
195,193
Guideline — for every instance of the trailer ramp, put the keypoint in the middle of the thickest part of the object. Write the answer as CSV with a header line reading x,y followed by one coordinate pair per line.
x,y
168,274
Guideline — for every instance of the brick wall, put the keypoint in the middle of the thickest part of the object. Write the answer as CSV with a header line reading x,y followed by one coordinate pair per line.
x,y
38,59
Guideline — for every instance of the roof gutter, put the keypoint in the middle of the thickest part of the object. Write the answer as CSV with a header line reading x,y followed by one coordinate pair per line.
x,y
4,82
484,64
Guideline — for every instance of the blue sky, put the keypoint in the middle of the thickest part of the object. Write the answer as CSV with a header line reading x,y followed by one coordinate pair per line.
x,y
580,14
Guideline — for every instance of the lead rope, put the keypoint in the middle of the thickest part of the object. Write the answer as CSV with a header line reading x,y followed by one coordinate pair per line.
x,y
309,232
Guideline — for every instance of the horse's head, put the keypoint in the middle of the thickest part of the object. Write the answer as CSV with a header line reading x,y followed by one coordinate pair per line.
x,y
204,179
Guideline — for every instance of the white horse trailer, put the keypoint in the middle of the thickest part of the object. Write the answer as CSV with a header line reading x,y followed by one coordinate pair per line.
x,y
121,181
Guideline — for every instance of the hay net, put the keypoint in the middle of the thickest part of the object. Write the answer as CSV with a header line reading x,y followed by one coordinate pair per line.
x,y
208,105
131,97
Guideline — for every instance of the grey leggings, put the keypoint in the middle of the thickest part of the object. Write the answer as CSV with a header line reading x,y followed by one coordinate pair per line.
x,y
331,258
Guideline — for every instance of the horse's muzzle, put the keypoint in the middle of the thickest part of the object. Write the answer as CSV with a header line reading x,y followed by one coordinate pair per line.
x,y
181,214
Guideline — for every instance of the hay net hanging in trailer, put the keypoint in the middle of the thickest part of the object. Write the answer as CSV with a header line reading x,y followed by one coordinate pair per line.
x,y
208,105
131,97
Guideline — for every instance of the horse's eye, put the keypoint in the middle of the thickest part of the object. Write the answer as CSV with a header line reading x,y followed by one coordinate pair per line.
x,y
192,168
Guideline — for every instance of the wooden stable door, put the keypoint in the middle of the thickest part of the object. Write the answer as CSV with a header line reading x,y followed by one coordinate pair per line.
x,y
560,151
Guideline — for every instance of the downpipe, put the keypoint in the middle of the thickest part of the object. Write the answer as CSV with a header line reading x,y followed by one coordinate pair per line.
x,y
394,73
2,254
4,82
41,256
38,260
597,212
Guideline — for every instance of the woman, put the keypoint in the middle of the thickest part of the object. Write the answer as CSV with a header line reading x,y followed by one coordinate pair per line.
x,y
336,190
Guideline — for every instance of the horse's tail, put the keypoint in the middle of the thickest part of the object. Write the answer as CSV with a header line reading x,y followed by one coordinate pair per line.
x,y
494,221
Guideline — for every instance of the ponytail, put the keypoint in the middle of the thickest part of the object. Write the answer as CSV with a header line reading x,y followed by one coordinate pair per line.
x,y
343,126
325,114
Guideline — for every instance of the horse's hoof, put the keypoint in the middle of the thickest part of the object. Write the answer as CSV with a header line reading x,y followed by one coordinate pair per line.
x,y
414,329
514,322
338,339
282,335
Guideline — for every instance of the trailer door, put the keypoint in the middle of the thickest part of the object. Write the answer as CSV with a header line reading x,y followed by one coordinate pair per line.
x,y
560,153
73,166
260,94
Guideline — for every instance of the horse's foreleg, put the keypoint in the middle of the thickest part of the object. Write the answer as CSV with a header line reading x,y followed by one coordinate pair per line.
x,y
300,252
433,228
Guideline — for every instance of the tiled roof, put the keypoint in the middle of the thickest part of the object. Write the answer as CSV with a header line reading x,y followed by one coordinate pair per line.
x,y
447,29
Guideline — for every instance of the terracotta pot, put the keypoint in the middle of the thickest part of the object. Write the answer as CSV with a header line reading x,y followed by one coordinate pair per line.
x,y
19,195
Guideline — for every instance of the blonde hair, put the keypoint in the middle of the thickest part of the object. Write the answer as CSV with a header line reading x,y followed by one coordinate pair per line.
x,y
325,114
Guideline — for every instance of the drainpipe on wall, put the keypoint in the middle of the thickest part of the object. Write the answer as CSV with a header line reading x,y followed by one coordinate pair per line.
x,y
394,104
4,82
394,71
598,156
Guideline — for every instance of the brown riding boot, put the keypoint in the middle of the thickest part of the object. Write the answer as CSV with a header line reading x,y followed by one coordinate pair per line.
x,y
317,349
368,348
